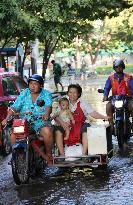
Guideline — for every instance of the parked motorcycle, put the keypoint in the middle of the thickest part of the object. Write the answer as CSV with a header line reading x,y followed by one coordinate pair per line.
x,y
6,142
5,135
121,118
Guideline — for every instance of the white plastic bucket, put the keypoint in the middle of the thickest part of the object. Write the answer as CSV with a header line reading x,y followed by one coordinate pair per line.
x,y
97,142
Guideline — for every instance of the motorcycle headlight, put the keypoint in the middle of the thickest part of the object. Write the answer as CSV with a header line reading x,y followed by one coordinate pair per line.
x,y
118,104
19,129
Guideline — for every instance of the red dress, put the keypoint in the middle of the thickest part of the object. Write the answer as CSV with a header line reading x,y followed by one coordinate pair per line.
x,y
79,118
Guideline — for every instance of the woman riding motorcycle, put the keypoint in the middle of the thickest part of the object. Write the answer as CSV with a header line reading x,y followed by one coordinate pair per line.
x,y
28,101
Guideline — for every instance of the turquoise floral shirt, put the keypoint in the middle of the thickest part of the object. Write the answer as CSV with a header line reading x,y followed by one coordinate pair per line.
x,y
24,103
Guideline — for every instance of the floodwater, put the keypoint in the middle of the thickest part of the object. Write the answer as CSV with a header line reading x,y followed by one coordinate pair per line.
x,y
76,186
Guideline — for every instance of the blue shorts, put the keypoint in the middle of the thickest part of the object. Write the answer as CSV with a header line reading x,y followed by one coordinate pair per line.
x,y
83,128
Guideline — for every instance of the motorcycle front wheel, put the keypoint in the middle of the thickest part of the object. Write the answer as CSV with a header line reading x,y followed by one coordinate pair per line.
x,y
20,167
6,142
119,126
128,128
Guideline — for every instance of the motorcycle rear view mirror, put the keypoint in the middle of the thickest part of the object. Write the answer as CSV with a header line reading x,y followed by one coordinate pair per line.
x,y
100,90
10,103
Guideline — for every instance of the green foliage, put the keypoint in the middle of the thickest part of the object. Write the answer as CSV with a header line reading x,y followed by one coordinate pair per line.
x,y
104,70
107,70
122,28
7,17
25,17
52,20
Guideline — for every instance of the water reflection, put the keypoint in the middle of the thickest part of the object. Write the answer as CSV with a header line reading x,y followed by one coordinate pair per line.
x,y
68,188
82,187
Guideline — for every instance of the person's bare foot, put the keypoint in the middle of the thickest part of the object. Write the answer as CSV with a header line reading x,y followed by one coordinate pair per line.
x,y
50,159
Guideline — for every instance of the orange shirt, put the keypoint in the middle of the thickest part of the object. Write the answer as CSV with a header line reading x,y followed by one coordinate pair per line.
x,y
121,88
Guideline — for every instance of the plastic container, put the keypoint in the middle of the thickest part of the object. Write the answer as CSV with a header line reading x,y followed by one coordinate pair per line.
x,y
73,151
97,141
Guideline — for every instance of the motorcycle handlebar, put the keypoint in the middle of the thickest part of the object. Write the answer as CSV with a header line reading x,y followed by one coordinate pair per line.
x,y
118,97
110,97
22,113
100,90
10,120
34,117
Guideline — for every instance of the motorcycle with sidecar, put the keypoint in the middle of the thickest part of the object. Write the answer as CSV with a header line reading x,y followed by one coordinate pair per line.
x,y
29,157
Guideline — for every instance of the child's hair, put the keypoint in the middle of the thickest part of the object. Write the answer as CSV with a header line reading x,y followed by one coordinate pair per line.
x,y
63,99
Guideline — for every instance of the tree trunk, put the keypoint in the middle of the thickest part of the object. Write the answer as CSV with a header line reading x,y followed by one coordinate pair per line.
x,y
44,68
78,53
45,62
3,63
33,65
49,48
25,50
94,59
46,57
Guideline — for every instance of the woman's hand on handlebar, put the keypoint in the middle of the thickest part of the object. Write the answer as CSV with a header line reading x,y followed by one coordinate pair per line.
x,y
107,118
11,112
45,117
4,122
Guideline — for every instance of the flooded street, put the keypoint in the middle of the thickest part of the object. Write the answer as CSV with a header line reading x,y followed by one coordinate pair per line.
x,y
76,186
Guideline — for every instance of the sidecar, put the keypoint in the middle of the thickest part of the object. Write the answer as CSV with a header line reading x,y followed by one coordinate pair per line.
x,y
100,150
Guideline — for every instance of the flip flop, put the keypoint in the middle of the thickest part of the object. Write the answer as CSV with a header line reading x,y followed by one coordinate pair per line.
x,y
85,158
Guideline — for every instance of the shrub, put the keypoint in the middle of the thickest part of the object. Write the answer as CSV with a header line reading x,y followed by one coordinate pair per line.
x,y
106,70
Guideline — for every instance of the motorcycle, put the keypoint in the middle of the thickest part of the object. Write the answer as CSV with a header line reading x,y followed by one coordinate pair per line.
x,y
28,153
122,123
121,118
6,143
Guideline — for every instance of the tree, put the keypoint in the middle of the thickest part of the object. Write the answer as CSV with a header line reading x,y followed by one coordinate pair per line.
x,y
52,20
70,19
96,39
109,34
122,28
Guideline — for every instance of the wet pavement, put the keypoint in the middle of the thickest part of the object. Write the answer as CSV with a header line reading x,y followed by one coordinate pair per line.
x,y
76,186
